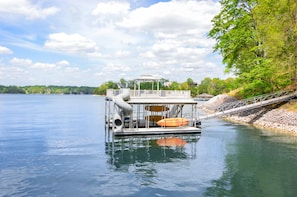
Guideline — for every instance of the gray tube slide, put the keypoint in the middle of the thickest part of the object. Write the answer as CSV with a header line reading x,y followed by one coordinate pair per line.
x,y
124,108
120,99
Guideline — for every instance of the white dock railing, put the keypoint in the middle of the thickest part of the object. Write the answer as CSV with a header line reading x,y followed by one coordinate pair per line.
x,y
152,93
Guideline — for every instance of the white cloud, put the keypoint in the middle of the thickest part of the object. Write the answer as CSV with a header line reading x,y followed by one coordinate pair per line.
x,y
172,17
111,39
28,63
41,65
13,8
11,75
71,43
5,51
27,72
71,69
63,63
116,68
20,62
112,7
99,74
107,13
176,37
122,54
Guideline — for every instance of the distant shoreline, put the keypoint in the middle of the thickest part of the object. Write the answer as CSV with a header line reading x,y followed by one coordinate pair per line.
x,y
50,89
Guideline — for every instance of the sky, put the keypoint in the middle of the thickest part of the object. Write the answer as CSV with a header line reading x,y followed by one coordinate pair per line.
x,y
87,43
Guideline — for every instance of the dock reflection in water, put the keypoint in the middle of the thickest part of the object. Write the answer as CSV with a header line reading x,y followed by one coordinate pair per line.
x,y
126,151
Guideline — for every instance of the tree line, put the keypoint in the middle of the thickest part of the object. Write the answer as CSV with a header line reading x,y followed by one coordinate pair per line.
x,y
258,43
42,89
208,85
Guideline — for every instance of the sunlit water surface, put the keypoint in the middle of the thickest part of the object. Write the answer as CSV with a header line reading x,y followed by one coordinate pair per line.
x,y
56,145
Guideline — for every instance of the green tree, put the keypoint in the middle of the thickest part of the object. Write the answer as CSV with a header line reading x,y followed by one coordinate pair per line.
x,y
184,86
234,31
11,90
190,82
217,86
192,86
101,90
204,86
123,83
174,86
162,82
231,84
277,27
258,40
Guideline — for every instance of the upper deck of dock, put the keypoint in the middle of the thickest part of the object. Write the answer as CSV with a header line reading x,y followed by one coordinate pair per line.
x,y
156,96
153,95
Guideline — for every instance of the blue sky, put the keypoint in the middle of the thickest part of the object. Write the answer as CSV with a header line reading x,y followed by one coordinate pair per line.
x,y
54,42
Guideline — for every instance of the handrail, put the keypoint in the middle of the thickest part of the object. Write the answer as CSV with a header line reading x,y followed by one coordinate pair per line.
x,y
251,103
253,100
152,93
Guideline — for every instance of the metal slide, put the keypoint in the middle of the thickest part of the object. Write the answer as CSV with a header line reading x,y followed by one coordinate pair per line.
x,y
124,108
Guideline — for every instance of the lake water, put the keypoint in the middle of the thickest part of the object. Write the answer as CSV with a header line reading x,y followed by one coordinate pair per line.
x,y
55,145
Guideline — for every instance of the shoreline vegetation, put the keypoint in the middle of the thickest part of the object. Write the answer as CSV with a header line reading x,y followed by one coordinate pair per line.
x,y
258,43
43,89
281,117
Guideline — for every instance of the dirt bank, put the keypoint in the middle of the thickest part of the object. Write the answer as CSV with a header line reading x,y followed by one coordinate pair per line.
x,y
271,117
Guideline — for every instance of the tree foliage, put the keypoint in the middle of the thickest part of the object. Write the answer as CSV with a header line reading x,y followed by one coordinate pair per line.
x,y
257,40
101,90
42,89
11,90
277,28
217,86
233,29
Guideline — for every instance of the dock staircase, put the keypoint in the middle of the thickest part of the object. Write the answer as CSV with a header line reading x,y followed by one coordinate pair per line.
x,y
251,103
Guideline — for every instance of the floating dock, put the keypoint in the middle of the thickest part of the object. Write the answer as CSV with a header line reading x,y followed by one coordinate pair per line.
x,y
137,112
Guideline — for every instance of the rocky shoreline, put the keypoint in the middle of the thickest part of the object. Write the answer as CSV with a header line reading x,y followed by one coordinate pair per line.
x,y
271,117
